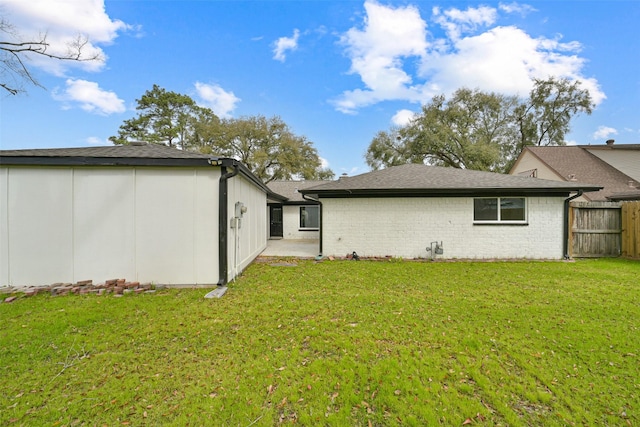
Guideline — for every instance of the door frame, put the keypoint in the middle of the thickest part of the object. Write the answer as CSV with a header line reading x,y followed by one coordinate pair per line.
x,y
277,234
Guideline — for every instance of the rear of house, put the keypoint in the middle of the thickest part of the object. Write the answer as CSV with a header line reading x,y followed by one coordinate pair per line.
x,y
146,213
418,211
292,216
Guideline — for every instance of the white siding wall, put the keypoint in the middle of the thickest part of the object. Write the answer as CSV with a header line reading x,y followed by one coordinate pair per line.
x,y
627,161
248,241
146,224
105,225
291,225
4,226
404,227
176,214
528,162
39,226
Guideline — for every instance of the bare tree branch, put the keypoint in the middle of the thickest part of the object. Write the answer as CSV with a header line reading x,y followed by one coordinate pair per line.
x,y
14,71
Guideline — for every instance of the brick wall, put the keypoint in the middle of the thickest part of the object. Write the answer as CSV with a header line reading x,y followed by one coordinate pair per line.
x,y
291,224
404,227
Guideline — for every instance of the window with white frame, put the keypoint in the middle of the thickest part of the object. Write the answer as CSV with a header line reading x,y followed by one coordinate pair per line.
x,y
499,210
309,217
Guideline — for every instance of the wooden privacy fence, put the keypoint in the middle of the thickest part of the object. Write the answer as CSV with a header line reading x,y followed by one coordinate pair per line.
x,y
630,216
595,229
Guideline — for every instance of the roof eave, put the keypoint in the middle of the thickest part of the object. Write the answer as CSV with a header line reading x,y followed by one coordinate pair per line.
x,y
453,192
101,161
244,171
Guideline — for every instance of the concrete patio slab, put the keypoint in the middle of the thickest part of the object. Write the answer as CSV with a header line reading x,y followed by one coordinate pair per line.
x,y
292,248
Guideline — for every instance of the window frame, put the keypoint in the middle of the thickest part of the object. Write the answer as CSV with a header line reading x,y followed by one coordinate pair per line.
x,y
303,228
499,220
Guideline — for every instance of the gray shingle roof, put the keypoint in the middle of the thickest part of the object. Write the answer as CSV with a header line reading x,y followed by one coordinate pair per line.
x,y
290,189
116,155
418,179
578,163
147,151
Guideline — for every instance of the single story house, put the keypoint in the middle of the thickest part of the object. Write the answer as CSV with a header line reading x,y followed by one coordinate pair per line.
x,y
615,167
147,213
419,211
293,217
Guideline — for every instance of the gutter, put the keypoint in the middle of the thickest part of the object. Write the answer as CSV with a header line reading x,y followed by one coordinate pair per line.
x,y
449,192
311,199
565,241
102,161
223,216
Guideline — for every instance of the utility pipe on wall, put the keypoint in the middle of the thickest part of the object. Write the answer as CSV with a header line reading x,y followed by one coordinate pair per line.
x,y
223,218
311,199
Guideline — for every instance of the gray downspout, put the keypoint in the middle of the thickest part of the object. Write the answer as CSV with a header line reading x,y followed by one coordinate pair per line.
x,y
565,246
311,199
223,218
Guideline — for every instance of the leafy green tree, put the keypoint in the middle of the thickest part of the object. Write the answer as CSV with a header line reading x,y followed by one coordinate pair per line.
x,y
266,146
205,127
391,149
165,118
482,131
545,117
465,132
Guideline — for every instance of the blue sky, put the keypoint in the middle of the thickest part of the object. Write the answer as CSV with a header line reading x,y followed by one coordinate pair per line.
x,y
336,72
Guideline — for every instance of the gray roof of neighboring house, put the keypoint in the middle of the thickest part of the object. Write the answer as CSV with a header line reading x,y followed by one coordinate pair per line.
x,y
610,147
139,154
624,157
423,180
626,195
290,190
576,162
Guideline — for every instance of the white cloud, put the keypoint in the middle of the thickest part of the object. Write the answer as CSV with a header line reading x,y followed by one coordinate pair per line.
x,y
324,163
284,44
94,140
62,21
90,97
377,51
505,59
219,100
402,117
604,132
474,53
456,21
513,7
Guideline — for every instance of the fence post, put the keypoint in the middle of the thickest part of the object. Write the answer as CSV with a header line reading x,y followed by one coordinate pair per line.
x,y
631,229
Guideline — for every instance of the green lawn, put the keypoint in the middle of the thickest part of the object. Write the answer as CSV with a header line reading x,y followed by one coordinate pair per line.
x,y
337,343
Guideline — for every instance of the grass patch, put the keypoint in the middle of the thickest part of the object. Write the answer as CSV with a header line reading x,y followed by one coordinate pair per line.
x,y
337,343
